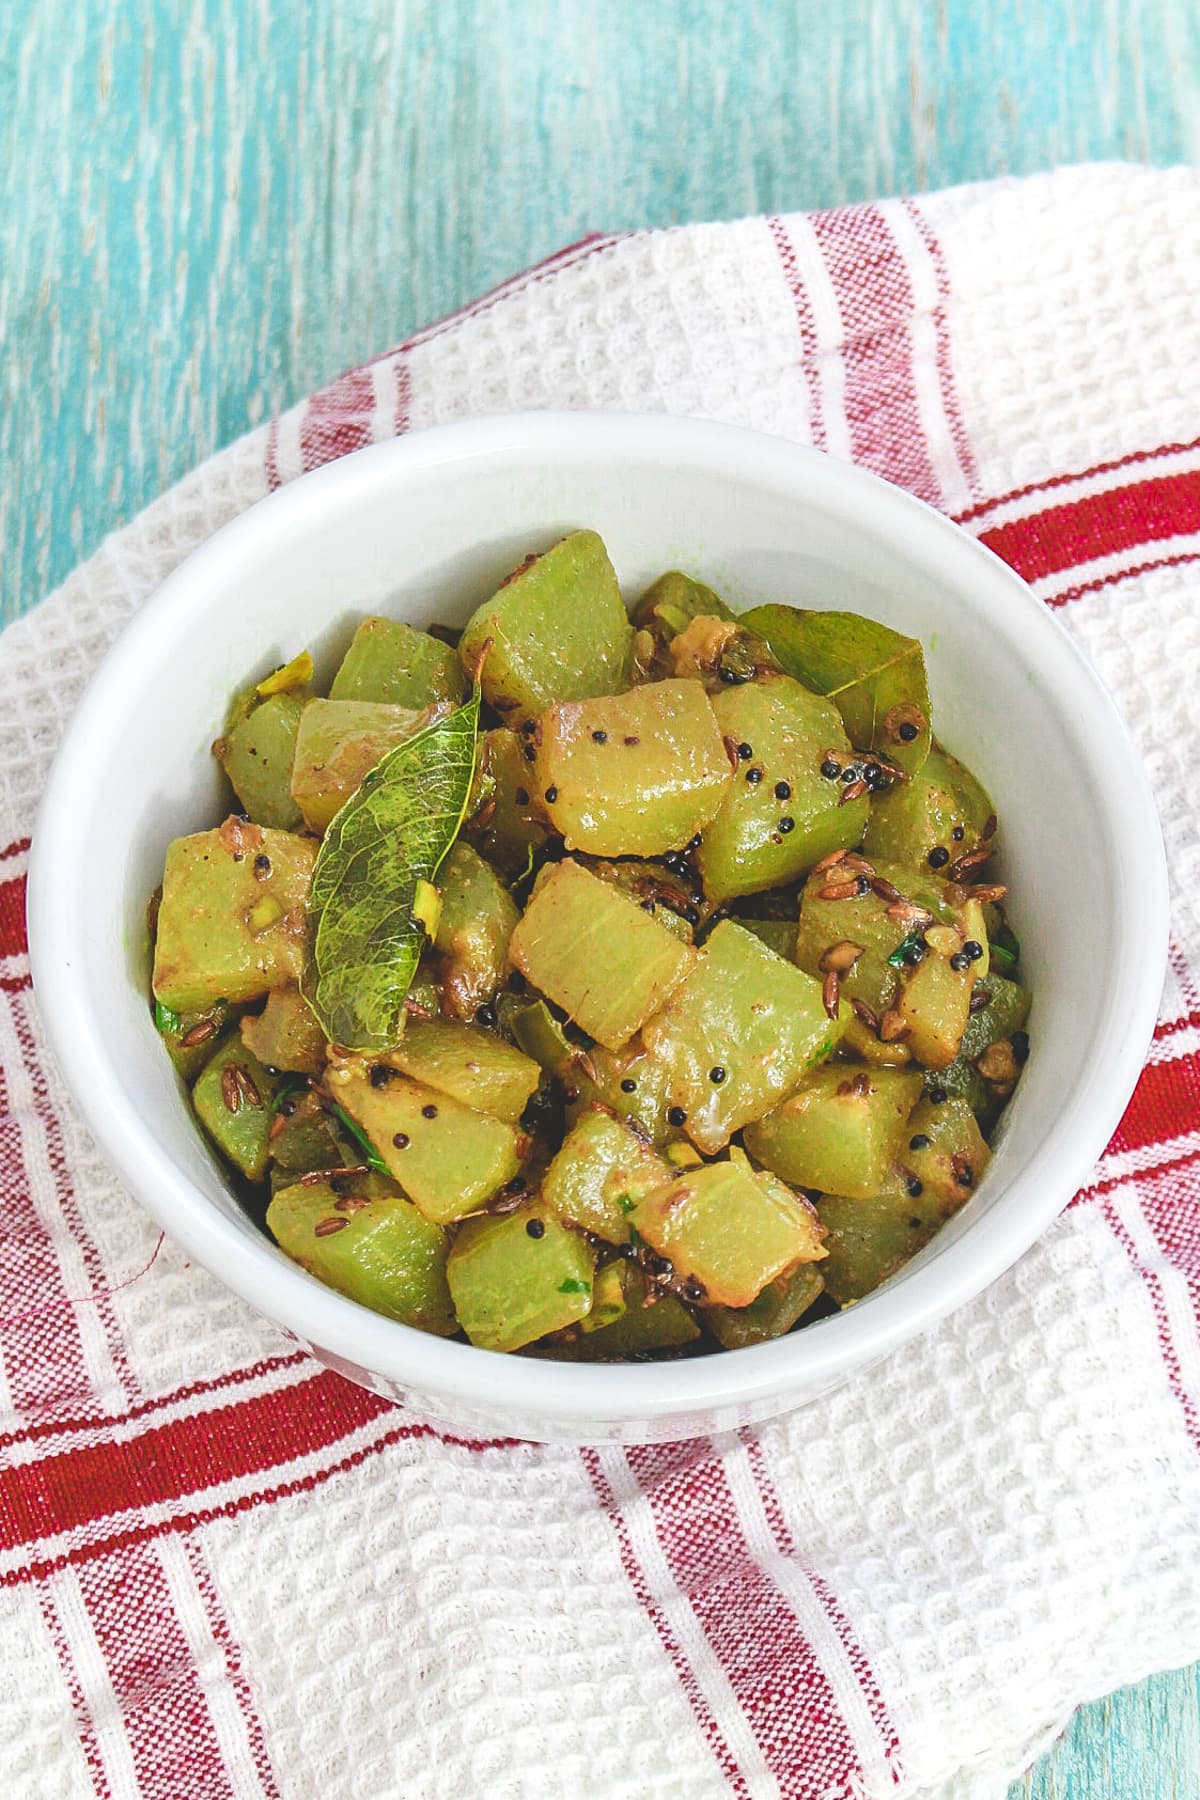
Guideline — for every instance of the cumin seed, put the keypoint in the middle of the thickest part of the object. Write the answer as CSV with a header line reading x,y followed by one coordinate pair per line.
x,y
831,994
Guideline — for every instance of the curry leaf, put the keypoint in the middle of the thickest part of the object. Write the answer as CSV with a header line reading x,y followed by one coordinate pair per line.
x,y
874,676
392,833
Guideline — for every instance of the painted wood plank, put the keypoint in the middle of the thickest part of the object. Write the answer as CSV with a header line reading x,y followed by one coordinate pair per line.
x,y
209,206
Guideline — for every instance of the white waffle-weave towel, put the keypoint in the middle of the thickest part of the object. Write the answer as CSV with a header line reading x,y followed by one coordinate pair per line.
x,y
224,1571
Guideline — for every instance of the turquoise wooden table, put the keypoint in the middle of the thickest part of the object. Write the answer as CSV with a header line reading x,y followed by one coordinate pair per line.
x,y
209,209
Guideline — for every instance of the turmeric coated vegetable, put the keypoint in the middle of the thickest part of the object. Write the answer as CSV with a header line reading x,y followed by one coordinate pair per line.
x,y
597,989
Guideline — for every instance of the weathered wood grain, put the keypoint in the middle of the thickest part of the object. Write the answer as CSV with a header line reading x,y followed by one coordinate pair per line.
x,y
207,208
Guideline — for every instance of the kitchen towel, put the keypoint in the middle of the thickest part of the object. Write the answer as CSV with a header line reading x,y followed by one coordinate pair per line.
x,y
224,1571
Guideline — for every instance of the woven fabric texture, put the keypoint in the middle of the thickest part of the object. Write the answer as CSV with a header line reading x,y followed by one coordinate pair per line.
x,y
224,1571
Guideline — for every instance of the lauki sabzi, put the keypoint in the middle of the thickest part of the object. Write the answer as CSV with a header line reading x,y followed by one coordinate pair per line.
x,y
597,985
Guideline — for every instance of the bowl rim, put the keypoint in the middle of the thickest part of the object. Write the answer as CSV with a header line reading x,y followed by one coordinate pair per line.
x,y
527,1387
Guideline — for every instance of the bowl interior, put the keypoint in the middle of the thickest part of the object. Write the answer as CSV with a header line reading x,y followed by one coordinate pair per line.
x,y
423,530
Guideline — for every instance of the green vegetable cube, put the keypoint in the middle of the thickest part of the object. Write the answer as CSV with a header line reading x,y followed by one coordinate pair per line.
x,y
597,954
862,920
629,1082
840,1131
651,1321
231,925
338,743
777,1308
505,820
869,1240
257,756
390,662
233,1096
747,847
608,1298
778,935
923,814
558,630
963,1079
511,1286
935,1004
1006,1011
372,1245
599,1175
945,1151
730,1228
472,1065
537,1031
477,919
657,889
738,1035
201,1028
669,605
285,1035
306,1138
447,1157
636,774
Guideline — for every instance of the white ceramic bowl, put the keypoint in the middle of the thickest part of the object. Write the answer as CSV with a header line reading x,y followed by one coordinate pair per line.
x,y
423,528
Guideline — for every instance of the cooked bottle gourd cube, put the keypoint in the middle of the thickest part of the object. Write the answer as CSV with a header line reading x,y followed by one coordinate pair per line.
x,y
841,1130
651,1321
737,1036
635,774
511,1284
371,1244
340,741
447,1157
477,919
508,825
285,1034
630,1083
599,1175
657,889
780,815
963,1079
945,1151
597,954
869,1240
1006,1011
472,1065
669,605
537,1031
557,629
934,1005
917,821
391,663
233,1095
257,755
729,1229
190,1038
860,921
608,1298
305,1137
778,935
231,924
778,1307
